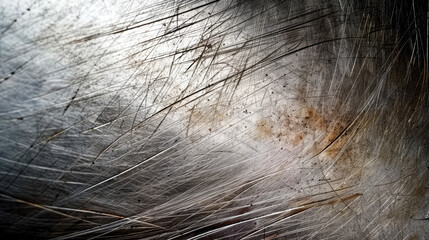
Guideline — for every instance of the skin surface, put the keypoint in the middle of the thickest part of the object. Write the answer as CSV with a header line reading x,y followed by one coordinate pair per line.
x,y
225,119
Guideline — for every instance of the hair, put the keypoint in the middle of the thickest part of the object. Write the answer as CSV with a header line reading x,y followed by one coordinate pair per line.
x,y
224,119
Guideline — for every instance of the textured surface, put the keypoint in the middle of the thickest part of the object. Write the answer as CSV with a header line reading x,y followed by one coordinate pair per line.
x,y
225,119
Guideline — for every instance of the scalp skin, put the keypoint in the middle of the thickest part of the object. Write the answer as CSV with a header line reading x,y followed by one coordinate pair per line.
x,y
225,119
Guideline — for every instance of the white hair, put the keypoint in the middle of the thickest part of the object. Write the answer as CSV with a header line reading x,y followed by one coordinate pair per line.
x,y
224,119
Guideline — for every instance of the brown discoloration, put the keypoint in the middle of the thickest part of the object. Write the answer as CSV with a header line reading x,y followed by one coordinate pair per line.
x,y
298,139
200,117
343,199
243,210
290,127
307,201
299,127
272,236
421,189
308,113
412,237
313,119
335,140
297,202
264,128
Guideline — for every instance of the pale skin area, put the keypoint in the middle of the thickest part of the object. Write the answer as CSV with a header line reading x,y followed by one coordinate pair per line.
x,y
212,119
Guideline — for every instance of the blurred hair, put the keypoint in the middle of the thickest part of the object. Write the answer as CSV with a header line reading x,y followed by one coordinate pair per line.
x,y
224,119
